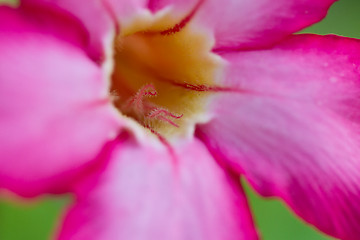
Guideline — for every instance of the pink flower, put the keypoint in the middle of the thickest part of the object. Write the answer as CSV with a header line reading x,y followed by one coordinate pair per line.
x,y
149,111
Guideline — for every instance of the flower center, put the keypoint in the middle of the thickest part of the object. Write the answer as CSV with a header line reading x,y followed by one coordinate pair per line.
x,y
163,72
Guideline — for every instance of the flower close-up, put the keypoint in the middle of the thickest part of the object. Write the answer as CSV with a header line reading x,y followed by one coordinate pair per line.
x,y
149,112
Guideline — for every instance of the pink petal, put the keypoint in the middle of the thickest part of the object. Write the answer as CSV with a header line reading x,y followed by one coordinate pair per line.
x,y
149,193
45,21
54,117
92,15
125,9
100,17
250,23
293,132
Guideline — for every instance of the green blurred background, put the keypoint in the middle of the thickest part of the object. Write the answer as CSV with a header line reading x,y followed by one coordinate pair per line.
x,y
37,220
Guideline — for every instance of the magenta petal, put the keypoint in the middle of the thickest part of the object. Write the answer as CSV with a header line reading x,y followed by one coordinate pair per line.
x,y
45,21
147,193
100,17
54,117
251,23
293,132
91,13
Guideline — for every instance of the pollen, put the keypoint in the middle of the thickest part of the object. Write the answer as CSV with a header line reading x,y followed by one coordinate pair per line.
x,y
162,81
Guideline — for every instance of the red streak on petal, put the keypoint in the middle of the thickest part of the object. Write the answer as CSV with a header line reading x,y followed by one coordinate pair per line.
x,y
112,15
166,144
179,26
207,88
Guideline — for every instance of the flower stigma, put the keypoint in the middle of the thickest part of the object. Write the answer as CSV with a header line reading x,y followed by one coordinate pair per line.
x,y
163,73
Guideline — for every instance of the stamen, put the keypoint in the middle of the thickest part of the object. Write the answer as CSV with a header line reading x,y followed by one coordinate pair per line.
x,y
136,103
167,52
162,114
145,110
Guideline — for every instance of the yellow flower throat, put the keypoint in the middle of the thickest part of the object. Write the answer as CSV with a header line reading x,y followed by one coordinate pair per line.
x,y
163,71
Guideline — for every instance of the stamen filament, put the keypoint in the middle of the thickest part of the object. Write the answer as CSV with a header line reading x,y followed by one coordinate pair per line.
x,y
162,114
145,110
